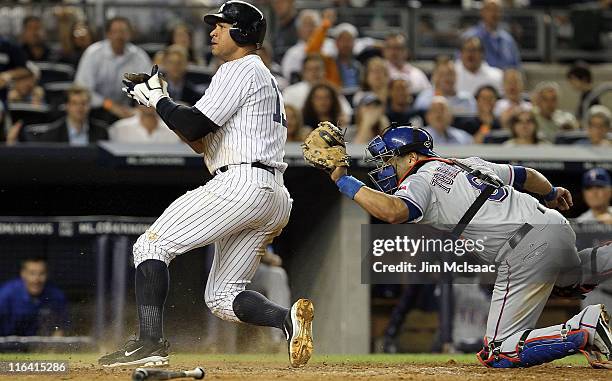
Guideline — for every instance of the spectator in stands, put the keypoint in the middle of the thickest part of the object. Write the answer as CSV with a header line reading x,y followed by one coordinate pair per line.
x,y
399,105
438,119
597,193
182,35
322,105
580,78
396,54
513,99
472,71
285,33
370,119
599,123
175,67
77,128
75,44
374,80
271,280
25,87
295,125
485,121
500,49
550,119
30,305
307,21
12,64
144,127
314,72
525,129
444,80
349,69
103,64
266,53
33,40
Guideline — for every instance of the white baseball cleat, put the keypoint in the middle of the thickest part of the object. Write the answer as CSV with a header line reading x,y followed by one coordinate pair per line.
x,y
298,328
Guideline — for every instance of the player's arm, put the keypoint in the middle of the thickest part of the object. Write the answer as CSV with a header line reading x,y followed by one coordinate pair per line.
x,y
555,197
188,123
197,146
388,208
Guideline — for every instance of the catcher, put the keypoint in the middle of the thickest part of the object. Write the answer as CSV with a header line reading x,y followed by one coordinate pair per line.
x,y
534,249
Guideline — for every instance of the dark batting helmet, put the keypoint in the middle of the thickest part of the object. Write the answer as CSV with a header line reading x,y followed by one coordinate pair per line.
x,y
248,23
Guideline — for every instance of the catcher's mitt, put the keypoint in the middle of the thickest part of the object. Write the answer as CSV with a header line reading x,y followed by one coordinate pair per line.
x,y
575,291
324,148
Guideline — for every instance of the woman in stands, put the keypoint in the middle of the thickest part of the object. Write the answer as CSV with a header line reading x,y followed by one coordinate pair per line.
x,y
524,128
322,105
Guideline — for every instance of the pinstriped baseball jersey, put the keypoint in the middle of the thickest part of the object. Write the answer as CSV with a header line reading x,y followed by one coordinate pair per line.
x,y
244,100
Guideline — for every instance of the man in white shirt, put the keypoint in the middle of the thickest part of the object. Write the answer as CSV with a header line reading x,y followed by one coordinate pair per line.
x,y
396,53
307,21
472,71
438,119
103,64
144,127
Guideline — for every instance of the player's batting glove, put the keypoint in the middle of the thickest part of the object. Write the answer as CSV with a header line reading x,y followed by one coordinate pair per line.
x,y
146,89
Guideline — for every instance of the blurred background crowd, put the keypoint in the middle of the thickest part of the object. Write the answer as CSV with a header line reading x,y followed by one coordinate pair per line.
x,y
508,73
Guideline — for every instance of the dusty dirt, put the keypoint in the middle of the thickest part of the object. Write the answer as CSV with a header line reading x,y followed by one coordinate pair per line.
x,y
321,370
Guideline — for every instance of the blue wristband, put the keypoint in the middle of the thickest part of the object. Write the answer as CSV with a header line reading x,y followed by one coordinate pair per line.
x,y
349,185
551,195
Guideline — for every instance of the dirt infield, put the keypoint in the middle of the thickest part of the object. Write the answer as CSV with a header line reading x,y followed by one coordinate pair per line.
x,y
374,367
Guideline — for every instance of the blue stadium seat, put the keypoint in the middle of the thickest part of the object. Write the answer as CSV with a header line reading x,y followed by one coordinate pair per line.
x,y
54,72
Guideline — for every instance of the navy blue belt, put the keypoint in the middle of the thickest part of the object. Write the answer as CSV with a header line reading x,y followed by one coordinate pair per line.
x,y
523,230
254,165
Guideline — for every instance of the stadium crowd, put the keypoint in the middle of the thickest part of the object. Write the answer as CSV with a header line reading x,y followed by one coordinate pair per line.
x,y
326,70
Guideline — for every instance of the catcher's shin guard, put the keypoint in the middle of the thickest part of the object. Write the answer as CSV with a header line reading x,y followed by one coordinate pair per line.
x,y
534,351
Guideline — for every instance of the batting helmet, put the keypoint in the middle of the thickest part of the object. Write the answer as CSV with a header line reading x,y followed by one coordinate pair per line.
x,y
248,23
396,141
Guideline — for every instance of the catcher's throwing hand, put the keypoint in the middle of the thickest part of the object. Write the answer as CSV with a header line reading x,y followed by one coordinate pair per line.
x,y
324,148
146,89
562,200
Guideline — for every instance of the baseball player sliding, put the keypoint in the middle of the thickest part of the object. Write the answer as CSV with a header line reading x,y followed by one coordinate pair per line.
x,y
239,126
532,245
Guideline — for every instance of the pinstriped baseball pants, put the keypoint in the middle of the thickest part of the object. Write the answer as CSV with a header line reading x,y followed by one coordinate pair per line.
x,y
241,211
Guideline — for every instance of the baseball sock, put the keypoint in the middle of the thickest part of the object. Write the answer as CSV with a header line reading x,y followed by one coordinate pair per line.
x,y
254,308
152,282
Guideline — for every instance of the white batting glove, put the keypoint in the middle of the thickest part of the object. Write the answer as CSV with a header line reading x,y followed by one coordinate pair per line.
x,y
150,92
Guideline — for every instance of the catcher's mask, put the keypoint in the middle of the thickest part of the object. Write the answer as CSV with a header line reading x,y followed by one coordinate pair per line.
x,y
395,141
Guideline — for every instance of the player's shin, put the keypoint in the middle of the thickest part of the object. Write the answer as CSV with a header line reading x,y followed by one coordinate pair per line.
x,y
254,308
152,283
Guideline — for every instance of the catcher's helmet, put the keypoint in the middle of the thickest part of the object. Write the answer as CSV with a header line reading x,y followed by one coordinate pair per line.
x,y
248,23
396,141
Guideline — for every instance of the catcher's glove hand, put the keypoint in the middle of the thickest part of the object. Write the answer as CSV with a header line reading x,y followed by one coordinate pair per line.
x,y
575,291
324,148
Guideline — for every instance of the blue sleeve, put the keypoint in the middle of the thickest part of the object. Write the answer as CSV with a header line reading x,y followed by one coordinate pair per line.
x,y
413,211
5,308
520,175
17,57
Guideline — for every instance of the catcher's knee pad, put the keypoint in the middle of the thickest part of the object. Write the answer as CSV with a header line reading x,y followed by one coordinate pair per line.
x,y
221,304
534,351
147,247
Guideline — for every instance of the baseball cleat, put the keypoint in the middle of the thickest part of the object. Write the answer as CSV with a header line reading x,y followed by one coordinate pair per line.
x,y
599,354
298,328
138,352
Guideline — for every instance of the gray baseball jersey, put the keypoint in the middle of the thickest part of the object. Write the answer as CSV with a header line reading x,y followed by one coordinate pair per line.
x,y
443,193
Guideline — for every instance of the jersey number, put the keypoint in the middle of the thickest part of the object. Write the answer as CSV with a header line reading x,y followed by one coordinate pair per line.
x,y
498,195
279,116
